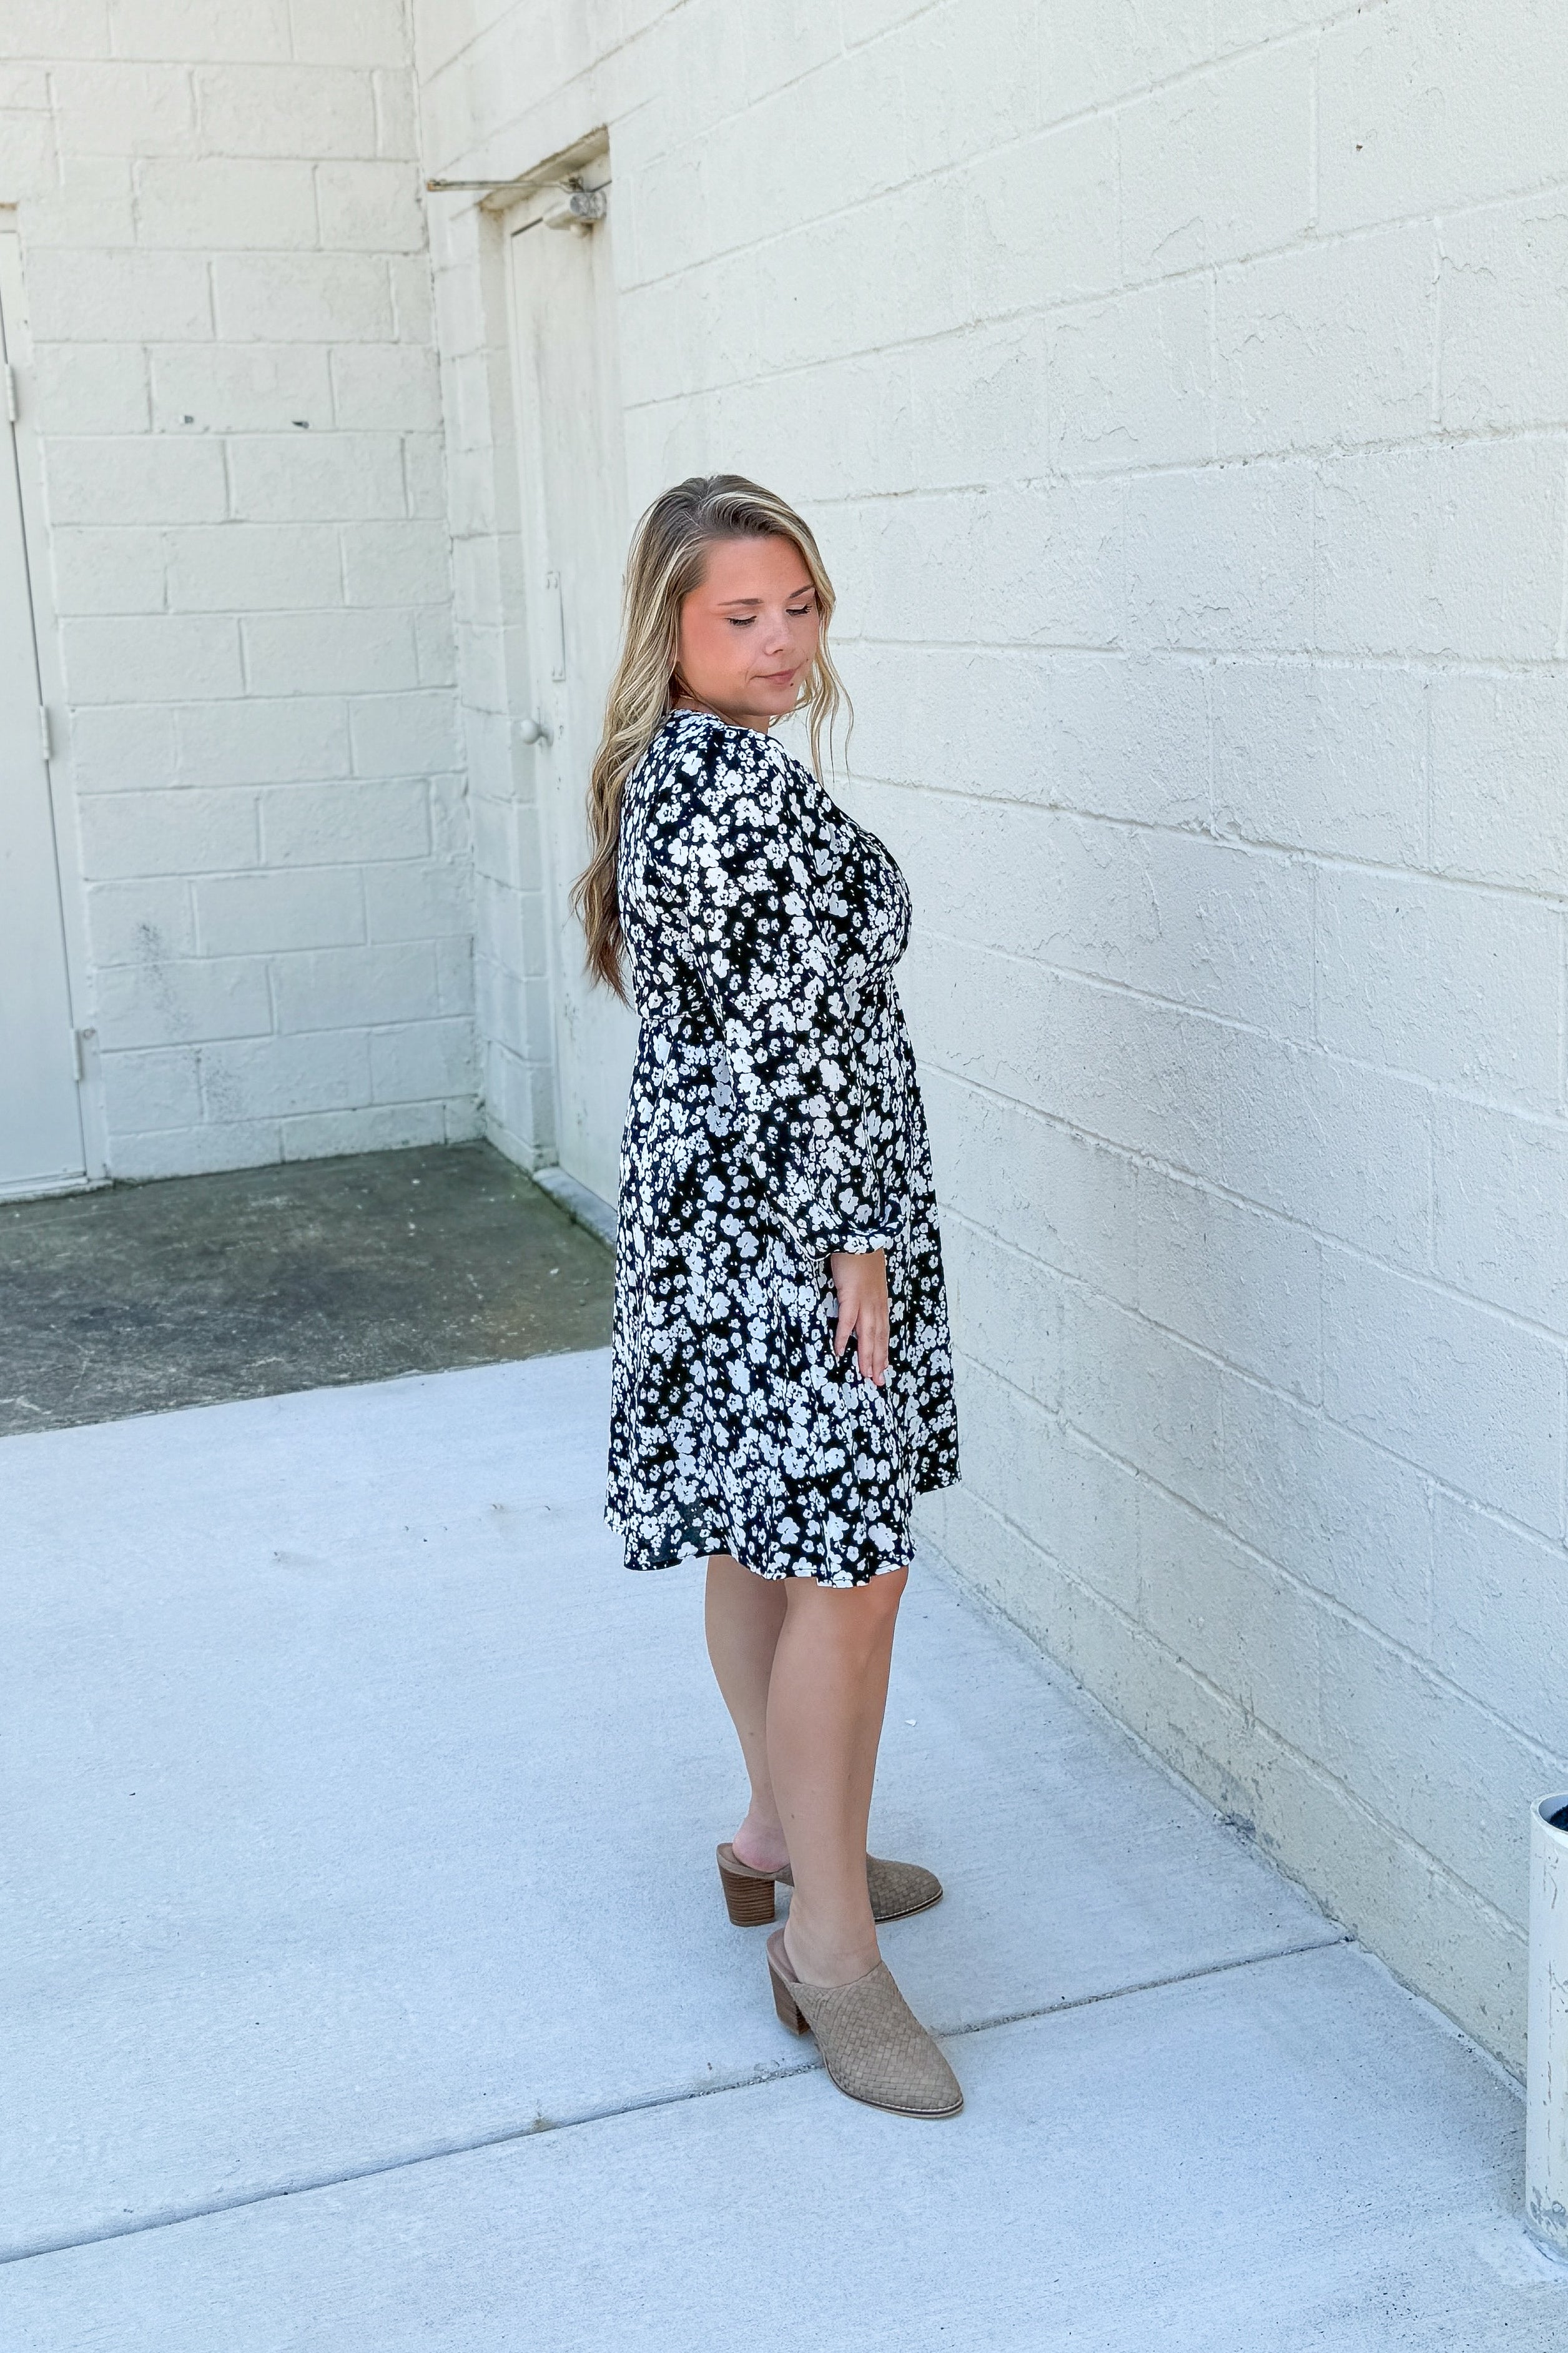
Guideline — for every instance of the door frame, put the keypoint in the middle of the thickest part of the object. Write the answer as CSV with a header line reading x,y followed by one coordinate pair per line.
x,y
533,679
52,687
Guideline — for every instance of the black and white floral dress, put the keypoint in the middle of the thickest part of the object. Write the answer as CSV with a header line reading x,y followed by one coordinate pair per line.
x,y
774,1117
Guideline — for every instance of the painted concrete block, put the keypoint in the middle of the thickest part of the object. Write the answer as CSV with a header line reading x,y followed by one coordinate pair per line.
x,y
284,109
1231,1618
1345,1147
151,658
215,1145
1461,1390
1457,1782
219,203
1131,379
314,653
385,387
1220,166
1444,549
422,1059
256,914
340,989
199,28
249,567
1093,54
405,734
961,408
145,479
417,902
119,297
1327,345
1146,1397
1238,1281
351,33
425,475
1498,1228
1221,559
240,388
131,923
1226,930
189,1000
257,740
331,823
1504,274
1040,220
969,84
184,1001
1494,1589
123,747
161,833
314,478
115,571
1341,1515
49,28
1500,777
268,1076
1028,882
1446,979
1041,1186
321,297
1322,756
109,106
1421,108
371,208
153,1091
108,397
397,115
1006,1308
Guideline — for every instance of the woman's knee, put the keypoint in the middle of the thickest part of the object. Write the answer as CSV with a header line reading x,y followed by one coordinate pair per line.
x,y
854,1618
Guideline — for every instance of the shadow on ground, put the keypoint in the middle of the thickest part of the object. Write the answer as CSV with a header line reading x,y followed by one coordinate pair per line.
x,y
199,1289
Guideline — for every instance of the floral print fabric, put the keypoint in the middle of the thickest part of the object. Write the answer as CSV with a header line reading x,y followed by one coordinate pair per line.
x,y
774,1117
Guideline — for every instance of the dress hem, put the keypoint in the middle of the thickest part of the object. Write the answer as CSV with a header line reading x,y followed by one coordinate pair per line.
x,y
717,1539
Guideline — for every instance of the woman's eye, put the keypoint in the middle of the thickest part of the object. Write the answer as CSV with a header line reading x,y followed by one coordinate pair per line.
x,y
798,612
741,620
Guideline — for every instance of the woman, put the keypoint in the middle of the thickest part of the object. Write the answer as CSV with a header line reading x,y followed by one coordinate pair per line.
x,y
783,1386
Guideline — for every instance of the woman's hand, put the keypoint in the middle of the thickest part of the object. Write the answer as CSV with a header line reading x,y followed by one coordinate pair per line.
x,y
861,1279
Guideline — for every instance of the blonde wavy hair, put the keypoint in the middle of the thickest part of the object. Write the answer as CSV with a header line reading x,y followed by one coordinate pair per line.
x,y
668,553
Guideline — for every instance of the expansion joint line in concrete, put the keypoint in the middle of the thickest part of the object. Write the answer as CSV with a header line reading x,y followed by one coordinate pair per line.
x,y
305,2184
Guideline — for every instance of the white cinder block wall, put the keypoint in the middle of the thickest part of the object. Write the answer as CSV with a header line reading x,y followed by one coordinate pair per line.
x,y
237,396
1180,395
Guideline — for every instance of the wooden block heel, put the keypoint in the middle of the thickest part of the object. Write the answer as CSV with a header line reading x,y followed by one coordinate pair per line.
x,y
784,2003
749,1902
748,1894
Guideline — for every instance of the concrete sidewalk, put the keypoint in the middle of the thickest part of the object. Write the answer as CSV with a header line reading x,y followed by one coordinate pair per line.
x,y
368,1984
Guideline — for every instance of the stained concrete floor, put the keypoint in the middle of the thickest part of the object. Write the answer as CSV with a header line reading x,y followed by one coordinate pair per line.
x,y
248,1284
367,1985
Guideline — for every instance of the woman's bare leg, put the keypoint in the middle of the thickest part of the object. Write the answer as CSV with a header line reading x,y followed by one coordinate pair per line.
x,y
744,1615
827,1695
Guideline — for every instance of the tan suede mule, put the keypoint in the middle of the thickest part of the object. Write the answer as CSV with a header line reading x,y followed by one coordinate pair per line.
x,y
896,1889
872,2044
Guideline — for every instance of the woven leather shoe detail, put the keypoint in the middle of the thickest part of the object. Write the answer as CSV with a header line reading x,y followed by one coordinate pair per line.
x,y
896,1889
872,2044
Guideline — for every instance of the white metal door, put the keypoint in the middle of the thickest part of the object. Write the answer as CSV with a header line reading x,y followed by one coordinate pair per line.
x,y
575,525
40,1114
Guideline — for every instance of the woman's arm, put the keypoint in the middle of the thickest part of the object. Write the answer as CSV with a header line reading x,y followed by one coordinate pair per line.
x,y
738,866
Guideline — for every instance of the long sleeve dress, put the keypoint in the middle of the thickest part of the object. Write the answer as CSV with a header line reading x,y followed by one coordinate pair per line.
x,y
775,1118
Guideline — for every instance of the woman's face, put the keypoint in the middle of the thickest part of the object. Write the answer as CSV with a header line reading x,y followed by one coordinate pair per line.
x,y
748,631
